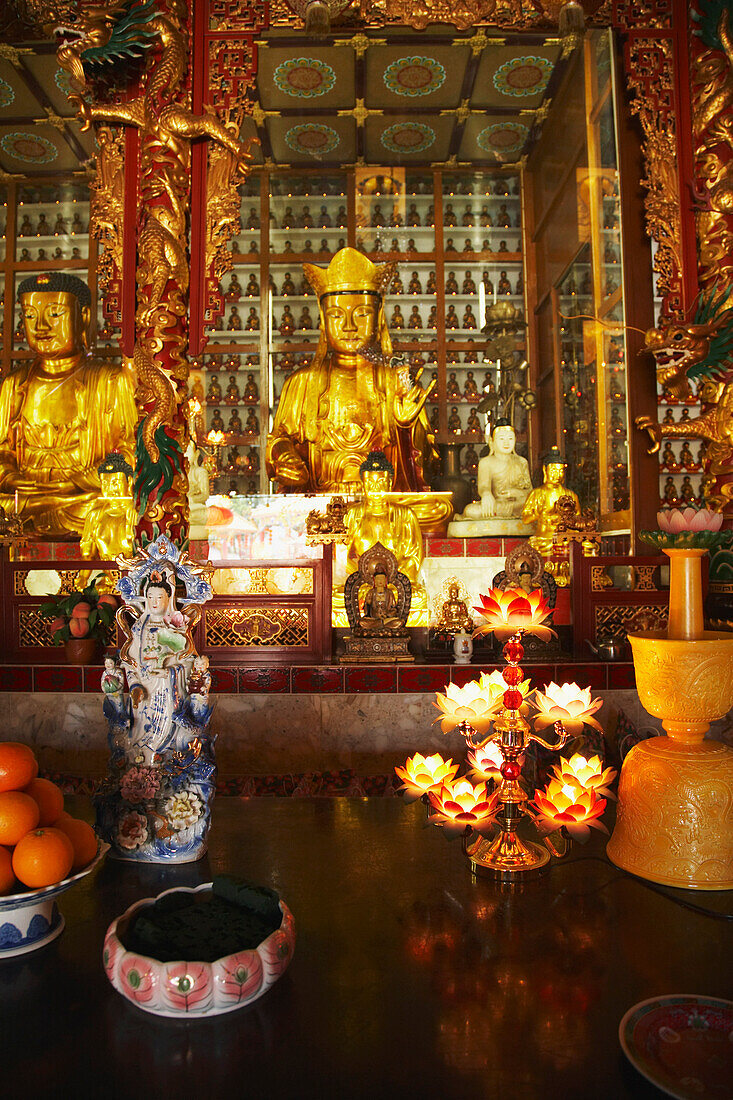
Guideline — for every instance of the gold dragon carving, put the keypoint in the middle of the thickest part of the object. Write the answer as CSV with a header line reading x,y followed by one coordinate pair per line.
x,y
107,211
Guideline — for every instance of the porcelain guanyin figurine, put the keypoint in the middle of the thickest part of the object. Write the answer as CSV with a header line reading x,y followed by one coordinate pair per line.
x,y
155,805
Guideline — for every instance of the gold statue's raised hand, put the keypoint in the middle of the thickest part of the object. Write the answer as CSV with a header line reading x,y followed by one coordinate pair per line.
x,y
647,424
409,405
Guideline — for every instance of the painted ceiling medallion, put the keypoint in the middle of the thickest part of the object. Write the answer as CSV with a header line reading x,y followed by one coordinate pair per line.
x,y
413,76
31,148
503,138
7,95
523,76
408,137
312,138
304,77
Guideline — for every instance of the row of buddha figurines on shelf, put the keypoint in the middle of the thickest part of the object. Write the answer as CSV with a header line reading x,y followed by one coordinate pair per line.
x,y
25,256
306,322
377,220
288,287
287,186
244,464
377,248
673,463
286,360
673,495
42,228
233,395
235,426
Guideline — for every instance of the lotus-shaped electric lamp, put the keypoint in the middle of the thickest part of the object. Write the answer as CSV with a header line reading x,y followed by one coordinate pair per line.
x,y
568,805
459,804
474,704
566,703
486,761
511,611
687,528
421,774
589,774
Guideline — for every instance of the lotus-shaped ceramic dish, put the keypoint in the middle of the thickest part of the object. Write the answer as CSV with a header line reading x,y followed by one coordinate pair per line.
x,y
31,919
193,990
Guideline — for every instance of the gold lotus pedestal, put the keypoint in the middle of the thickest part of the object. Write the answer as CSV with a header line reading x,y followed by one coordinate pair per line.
x,y
675,796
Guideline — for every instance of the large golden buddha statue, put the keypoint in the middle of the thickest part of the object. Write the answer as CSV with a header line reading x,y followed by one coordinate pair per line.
x,y
350,400
62,412
377,518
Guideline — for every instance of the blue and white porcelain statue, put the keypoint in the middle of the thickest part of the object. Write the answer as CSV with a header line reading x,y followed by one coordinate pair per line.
x,y
155,805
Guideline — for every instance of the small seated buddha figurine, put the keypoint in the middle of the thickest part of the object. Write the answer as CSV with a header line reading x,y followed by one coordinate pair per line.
x,y
377,248
395,218
234,460
470,389
109,527
323,247
77,225
253,221
468,221
449,217
668,417
470,356
214,391
288,287
234,322
305,321
59,229
252,424
539,508
341,217
485,218
470,459
306,220
253,460
26,229
324,219
397,286
488,285
286,360
469,321
287,322
610,255
687,493
252,324
233,395
473,424
451,355
503,220
469,286
503,246
669,458
687,459
58,253
454,421
378,217
288,248
519,288
341,243
468,245
307,247
501,188
669,496
435,418
617,425
415,286
234,291
504,286
430,217
42,254
452,389
413,218
454,616
43,229
414,320
449,246
451,318
451,285
433,318
217,422
397,320
685,416
234,427
430,287
394,246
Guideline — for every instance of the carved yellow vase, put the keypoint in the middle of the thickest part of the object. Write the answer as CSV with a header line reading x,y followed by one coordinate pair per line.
x,y
675,796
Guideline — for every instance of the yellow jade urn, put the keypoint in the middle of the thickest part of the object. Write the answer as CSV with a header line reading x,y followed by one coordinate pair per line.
x,y
675,794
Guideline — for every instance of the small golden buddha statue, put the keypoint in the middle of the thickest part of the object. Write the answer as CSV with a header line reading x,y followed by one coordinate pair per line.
x,y
232,389
454,421
473,424
109,527
469,321
397,321
467,220
397,286
433,318
378,519
431,285
540,508
251,390
670,497
687,459
414,320
62,412
349,400
469,286
217,422
234,323
252,323
288,287
452,389
287,322
253,424
504,286
415,286
380,608
485,218
214,391
454,617
449,217
305,321
488,285
234,427
669,458
253,287
451,317
234,291
470,389
502,218
451,284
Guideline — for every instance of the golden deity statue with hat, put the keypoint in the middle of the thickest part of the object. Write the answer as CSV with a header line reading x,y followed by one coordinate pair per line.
x,y
62,412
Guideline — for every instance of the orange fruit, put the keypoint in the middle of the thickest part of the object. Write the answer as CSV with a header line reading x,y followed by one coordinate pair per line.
x,y
49,798
7,876
19,813
82,837
43,857
18,766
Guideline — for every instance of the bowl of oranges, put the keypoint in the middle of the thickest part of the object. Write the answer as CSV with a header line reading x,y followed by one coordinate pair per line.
x,y
43,851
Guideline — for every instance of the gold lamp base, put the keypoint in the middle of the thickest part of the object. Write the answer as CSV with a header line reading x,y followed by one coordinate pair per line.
x,y
506,857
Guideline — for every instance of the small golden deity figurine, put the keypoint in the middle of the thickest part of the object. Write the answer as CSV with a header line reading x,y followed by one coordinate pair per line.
x,y
540,505
253,221
449,246
668,417
687,493
59,229
669,458
288,286
287,322
685,416
414,320
26,229
502,218
252,323
454,616
324,220
451,285
430,216
469,321
252,425
485,218
670,493
306,221
44,229
349,400
467,244
42,254
503,247
433,318
473,424
61,412
702,453
451,317
449,218
109,527
431,287
397,286
234,324
378,217
253,287
341,217
470,460
233,394
504,286
452,389
251,391
394,247
307,247
488,285
451,355
217,423
234,427
434,419
470,389
214,391
253,460
469,286
234,291
288,248
454,421
58,253
470,356
519,288
77,225
397,321
468,221
380,608
413,218
377,519
415,286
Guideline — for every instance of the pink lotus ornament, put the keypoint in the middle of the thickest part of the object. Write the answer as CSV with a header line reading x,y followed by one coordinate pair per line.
x,y
675,520
566,703
458,805
505,613
475,704
421,774
587,773
567,805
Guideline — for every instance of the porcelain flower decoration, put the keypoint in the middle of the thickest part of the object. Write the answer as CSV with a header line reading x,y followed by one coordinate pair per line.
x,y
473,703
421,773
507,612
459,804
568,805
566,703
587,773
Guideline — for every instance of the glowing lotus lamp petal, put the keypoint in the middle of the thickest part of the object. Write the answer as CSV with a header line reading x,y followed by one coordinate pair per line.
x,y
587,773
472,703
459,804
566,804
487,760
566,703
675,520
421,773
512,610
